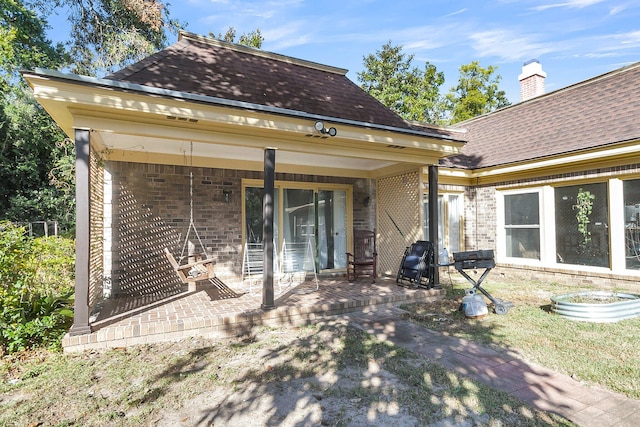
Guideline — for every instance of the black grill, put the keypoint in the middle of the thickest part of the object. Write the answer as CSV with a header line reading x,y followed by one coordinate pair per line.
x,y
471,260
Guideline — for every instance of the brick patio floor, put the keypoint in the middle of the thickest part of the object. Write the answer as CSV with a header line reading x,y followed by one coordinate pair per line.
x,y
216,310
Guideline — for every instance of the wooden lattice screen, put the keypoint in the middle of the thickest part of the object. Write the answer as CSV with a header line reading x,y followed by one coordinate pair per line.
x,y
399,218
96,241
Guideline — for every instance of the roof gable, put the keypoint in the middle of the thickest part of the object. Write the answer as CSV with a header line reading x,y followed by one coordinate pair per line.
x,y
598,112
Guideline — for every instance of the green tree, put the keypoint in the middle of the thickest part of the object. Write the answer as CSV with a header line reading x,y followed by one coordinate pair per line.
x,y
32,146
36,289
106,35
476,93
390,76
23,44
36,160
28,136
252,39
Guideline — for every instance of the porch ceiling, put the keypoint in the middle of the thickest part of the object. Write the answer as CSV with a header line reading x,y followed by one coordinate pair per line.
x,y
146,125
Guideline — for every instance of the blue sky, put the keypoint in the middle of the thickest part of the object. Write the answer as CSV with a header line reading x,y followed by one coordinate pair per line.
x,y
573,39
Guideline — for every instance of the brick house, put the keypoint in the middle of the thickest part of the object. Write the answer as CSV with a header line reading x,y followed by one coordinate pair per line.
x,y
240,121
552,183
515,180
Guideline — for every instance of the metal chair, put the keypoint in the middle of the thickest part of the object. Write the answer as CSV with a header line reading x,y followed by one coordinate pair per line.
x,y
417,264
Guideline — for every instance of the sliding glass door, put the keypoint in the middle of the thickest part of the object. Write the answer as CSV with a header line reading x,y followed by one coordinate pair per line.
x,y
332,229
313,217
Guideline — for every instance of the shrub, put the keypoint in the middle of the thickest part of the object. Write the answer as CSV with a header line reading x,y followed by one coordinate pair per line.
x,y
53,261
36,289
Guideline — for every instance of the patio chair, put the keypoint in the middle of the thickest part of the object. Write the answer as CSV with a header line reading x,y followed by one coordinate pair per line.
x,y
417,265
297,259
253,264
363,260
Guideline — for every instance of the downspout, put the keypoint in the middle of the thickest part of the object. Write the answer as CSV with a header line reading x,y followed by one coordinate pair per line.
x,y
475,197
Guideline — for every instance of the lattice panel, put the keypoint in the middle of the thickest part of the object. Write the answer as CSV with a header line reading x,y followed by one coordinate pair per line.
x,y
96,241
399,218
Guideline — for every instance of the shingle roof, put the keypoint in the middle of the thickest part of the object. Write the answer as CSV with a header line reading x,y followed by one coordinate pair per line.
x,y
600,111
210,67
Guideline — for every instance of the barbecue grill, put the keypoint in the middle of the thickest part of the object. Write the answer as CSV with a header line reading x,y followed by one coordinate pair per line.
x,y
476,260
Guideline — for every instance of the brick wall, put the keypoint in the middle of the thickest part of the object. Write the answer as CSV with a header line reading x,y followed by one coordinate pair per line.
x,y
480,230
531,87
480,218
364,217
150,210
96,249
601,280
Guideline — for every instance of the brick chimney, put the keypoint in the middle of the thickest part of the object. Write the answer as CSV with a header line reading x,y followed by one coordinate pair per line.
x,y
531,80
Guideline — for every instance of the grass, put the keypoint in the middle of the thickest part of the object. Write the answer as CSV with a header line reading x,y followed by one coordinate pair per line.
x,y
326,374
605,354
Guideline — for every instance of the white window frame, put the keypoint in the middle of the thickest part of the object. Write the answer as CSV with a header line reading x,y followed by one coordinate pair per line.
x,y
545,226
445,219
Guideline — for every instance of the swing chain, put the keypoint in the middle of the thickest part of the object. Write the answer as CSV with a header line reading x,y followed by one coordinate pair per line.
x,y
191,222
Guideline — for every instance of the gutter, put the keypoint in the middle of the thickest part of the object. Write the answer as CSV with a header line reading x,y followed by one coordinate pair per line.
x,y
148,90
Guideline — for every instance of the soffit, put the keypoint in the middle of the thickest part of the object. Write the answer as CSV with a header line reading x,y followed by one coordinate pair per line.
x,y
130,126
603,157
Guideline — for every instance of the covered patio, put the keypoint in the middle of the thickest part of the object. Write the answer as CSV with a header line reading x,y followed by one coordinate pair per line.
x,y
218,311
241,122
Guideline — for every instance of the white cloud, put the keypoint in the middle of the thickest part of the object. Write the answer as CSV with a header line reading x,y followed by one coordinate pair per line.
x,y
631,37
595,55
629,40
604,46
571,4
294,33
509,46
617,9
463,10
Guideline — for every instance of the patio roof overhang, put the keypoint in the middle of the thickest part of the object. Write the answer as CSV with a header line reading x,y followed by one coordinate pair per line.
x,y
136,123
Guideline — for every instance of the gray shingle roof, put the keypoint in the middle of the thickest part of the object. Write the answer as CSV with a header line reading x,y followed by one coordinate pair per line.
x,y
601,111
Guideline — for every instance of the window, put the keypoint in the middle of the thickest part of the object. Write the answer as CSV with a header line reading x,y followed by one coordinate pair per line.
x,y
253,197
522,225
631,194
582,224
449,219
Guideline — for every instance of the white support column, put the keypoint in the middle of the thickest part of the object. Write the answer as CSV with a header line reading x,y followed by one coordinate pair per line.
x,y
616,226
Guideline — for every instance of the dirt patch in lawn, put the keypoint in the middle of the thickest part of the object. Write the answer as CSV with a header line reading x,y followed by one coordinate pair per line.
x,y
327,374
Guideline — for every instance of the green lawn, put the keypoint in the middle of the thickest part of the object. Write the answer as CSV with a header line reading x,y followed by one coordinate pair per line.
x,y
597,353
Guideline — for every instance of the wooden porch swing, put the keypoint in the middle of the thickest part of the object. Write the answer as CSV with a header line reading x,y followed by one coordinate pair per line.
x,y
198,270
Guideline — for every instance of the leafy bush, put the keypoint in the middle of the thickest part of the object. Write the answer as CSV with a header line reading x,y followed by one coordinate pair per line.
x,y
36,289
53,262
